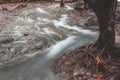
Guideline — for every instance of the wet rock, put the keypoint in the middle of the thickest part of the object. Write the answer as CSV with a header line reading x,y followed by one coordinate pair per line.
x,y
24,51
8,45
6,39
25,34
39,46
12,50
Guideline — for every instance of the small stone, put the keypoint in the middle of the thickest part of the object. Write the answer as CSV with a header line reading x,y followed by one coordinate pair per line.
x,y
25,34
38,46
12,50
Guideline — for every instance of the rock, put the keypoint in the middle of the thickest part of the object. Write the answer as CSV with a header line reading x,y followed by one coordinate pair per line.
x,y
24,51
6,39
12,50
25,34
8,46
38,46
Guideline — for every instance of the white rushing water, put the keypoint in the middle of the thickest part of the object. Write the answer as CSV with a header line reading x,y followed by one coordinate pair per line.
x,y
63,23
43,19
40,10
48,31
38,66
59,47
69,8
26,20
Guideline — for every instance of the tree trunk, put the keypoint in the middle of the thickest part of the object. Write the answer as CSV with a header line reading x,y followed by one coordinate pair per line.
x,y
62,3
107,33
104,10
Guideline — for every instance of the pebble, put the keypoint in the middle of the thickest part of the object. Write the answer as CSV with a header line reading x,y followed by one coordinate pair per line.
x,y
12,50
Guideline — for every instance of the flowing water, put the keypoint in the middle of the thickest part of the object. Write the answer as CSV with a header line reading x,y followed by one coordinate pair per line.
x,y
42,25
38,67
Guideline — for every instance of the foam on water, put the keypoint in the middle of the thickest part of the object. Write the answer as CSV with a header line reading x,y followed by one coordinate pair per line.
x,y
25,41
17,33
43,19
20,18
60,46
28,20
58,23
25,12
37,27
64,18
21,28
69,8
40,10
48,31
54,6
63,23
84,31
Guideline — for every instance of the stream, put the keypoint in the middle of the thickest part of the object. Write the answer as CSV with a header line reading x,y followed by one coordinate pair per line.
x,y
39,66
56,33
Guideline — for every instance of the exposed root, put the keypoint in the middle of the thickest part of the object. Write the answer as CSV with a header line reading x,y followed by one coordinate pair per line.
x,y
104,62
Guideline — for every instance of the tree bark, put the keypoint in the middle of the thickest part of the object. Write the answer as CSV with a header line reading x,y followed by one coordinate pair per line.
x,y
105,12
62,3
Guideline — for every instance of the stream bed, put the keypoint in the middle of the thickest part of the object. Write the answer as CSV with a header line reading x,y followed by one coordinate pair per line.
x,y
32,37
39,66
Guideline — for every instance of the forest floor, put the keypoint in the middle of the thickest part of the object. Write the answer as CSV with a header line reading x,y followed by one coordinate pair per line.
x,y
12,47
74,65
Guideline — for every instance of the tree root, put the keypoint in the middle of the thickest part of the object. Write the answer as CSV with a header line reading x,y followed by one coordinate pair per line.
x,y
103,62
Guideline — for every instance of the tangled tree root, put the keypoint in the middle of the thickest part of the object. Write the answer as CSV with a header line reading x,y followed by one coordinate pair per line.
x,y
90,62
